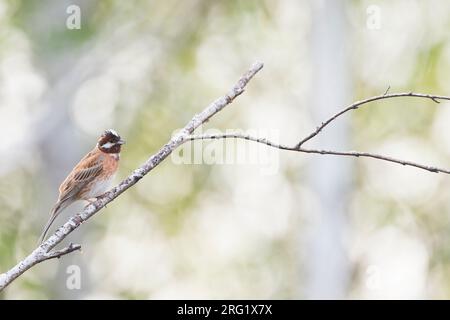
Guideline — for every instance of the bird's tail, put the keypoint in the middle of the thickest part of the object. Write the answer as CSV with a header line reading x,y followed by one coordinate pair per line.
x,y
59,206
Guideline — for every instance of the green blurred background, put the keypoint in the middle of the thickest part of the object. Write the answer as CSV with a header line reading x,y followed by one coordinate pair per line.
x,y
284,226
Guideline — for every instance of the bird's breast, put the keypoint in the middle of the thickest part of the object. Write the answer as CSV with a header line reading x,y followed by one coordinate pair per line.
x,y
111,162
98,187
102,183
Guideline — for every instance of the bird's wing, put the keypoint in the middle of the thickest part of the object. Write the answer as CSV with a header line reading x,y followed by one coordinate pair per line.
x,y
89,173
84,172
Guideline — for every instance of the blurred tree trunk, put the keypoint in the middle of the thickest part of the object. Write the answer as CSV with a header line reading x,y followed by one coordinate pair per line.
x,y
328,267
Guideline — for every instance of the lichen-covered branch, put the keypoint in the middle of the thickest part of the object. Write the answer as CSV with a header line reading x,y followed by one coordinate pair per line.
x,y
43,252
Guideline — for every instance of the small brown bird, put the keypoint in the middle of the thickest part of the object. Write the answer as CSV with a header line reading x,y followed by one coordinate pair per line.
x,y
91,177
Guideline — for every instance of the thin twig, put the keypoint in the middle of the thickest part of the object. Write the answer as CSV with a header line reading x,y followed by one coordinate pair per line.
x,y
41,253
243,137
59,253
357,104
318,151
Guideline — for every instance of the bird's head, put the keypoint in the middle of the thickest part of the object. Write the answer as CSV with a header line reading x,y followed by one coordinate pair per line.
x,y
110,142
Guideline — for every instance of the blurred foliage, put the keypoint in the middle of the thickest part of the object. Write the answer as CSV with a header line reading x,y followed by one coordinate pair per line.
x,y
218,231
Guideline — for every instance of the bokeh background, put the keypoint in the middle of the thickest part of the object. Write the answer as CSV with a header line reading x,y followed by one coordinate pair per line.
x,y
314,227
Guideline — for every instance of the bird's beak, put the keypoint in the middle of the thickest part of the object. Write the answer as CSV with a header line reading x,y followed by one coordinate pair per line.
x,y
121,141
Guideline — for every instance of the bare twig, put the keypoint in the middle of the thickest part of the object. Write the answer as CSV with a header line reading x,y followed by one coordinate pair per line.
x,y
357,104
59,253
243,137
377,156
318,151
43,252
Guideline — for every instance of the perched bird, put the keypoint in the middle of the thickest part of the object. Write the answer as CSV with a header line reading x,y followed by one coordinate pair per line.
x,y
91,177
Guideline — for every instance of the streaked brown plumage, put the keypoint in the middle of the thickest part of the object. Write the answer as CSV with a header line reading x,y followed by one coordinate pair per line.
x,y
91,177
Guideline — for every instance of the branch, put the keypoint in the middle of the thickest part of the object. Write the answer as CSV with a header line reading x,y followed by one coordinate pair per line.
x,y
354,106
59,253
357,104
43,252
318,151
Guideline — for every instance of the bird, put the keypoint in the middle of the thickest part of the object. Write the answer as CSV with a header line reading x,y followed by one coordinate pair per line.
x,y
91,177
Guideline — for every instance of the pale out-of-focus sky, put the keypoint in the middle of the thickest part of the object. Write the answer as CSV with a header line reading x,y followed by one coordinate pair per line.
x,y
230,220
